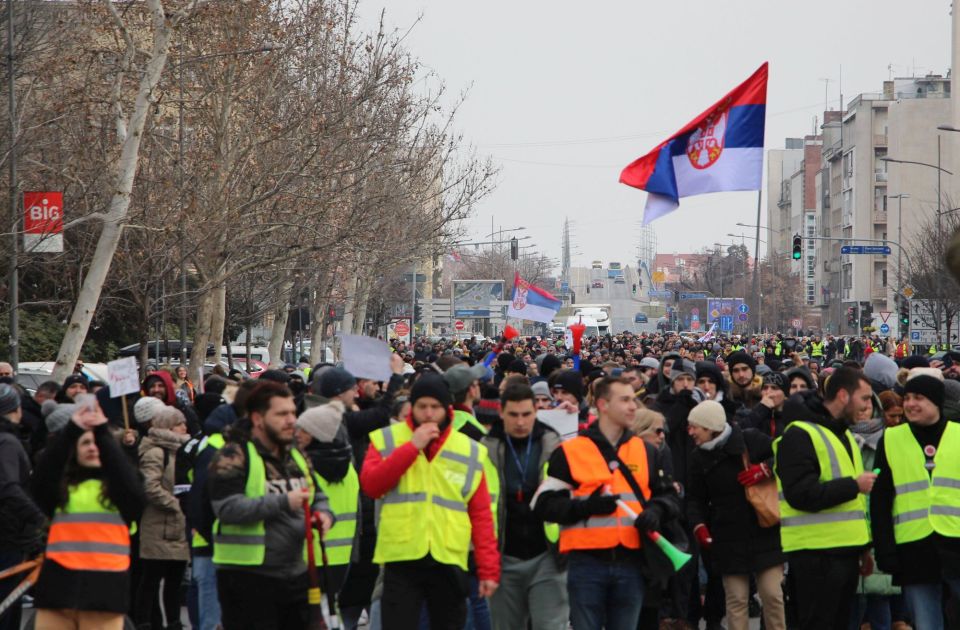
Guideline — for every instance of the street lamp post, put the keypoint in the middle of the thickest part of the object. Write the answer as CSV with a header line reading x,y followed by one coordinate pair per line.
x,y
899,197
940,170
14,288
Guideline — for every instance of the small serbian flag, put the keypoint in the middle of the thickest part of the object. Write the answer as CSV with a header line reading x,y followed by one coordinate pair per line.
x,y
710,333
719,150
532,303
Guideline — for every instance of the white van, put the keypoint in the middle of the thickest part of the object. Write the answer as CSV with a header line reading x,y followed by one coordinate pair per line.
x,y
257,353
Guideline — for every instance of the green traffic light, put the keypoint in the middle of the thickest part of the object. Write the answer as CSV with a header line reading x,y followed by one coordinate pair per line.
x,y
796,255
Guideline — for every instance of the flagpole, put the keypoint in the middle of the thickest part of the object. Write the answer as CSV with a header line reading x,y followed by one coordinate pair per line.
x,y
756,268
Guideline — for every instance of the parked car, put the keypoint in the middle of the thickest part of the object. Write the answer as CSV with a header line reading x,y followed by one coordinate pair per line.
x,y
30,374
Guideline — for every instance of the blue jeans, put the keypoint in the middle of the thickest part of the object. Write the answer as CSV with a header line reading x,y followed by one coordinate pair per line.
x,y
925,602
478,613
208,605
872,609
604,594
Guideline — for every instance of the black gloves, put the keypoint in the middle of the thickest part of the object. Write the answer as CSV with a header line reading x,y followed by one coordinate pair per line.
x,y
597,503
649,519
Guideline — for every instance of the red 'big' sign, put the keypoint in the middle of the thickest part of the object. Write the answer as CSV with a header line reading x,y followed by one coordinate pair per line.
x,y
43,221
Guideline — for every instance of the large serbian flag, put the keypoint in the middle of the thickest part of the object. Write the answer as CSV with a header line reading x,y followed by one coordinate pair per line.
x,y
719,150
530,302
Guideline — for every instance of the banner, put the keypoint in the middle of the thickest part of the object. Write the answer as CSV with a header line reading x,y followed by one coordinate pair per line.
x,y
43,222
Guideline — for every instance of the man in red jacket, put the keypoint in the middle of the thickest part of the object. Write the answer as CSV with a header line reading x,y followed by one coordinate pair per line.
x,y
435,502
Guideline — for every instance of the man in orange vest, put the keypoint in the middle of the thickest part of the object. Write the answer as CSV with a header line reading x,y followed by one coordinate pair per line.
x,y
586,477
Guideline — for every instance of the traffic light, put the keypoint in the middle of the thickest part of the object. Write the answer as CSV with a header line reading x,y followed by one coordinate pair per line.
x,y
417,312
904,316
514,248
634,287
866,313
797,247
852,317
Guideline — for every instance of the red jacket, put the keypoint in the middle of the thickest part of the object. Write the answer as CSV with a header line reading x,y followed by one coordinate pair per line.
x,y
378,476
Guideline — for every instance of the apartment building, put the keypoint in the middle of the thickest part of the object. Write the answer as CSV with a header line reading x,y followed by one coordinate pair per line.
x,y
848,195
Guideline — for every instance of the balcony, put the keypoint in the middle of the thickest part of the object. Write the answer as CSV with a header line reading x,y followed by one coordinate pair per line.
x,y
847,219
880,178
879,140
879,216
878,293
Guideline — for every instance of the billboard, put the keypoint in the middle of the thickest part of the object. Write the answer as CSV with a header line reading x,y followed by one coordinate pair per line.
x,y
477,298
43,222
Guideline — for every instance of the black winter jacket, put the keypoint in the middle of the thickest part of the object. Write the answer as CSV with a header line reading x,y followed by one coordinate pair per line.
x,y
716,499
925,561
797,464
22,520
675,409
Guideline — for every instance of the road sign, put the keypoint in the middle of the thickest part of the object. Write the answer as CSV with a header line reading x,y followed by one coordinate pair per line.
x,y
657,277
796,323
884,329
881,250
695,311
421,277
402,328
459,325
743,317
744,309
907,291
695,325
695,295
660,294
726,323
885,315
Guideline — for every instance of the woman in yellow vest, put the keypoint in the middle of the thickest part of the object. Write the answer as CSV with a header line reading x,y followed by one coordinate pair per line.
x,y
92,494
915,505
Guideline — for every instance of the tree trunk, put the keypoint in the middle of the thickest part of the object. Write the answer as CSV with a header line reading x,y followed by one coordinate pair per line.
x,y
126,169
201,336
316,332
217,319
349,303
363,297
144,354
280,317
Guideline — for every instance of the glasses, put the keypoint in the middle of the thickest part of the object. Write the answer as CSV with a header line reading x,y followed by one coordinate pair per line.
x,y
659,431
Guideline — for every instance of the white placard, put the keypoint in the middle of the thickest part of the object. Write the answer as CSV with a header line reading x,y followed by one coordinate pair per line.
x,y
366,357
563,422
123,377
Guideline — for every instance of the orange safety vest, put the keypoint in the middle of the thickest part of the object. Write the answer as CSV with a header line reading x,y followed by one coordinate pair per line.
x,y
85,535
590,471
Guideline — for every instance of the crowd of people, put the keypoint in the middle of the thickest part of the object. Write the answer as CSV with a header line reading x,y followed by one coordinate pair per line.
x,y
814,482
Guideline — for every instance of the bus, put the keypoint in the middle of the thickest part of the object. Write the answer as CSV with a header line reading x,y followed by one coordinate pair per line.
x,y
614,265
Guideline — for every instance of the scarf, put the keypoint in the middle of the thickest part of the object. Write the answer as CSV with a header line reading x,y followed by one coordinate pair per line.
x,y
718,441
868,432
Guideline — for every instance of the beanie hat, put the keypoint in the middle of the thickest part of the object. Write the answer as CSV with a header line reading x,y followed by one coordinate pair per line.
x,y
431,386
278,376
915,361
709,415
763,369
146,408
649,362
9,399
570,381
739,357
167,417
487,410
335,381
55,416
459,378
706,369
777,380
548,363
682,368
73,379
322,422
924,382
540,388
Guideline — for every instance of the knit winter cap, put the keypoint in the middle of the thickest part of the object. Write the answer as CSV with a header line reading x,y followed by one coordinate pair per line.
x,y
541,388
570,381
322,422
335,381
9,399
73,379
487,410
547,363
777,380
459,378
146,408
680,368
55,416
649,362
166,417
914,361
926,382
709,415
431,386
738,357
708,369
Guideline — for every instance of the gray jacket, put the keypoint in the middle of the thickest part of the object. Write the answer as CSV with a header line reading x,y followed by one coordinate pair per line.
x,y
285,532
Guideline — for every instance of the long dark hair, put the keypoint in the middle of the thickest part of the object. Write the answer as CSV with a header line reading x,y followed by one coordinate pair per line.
x,y
74,473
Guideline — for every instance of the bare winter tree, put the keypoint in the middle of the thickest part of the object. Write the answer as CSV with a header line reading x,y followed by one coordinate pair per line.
x,y
936,299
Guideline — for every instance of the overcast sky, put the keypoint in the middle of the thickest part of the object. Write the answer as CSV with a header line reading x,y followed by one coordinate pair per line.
x,y
563,95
